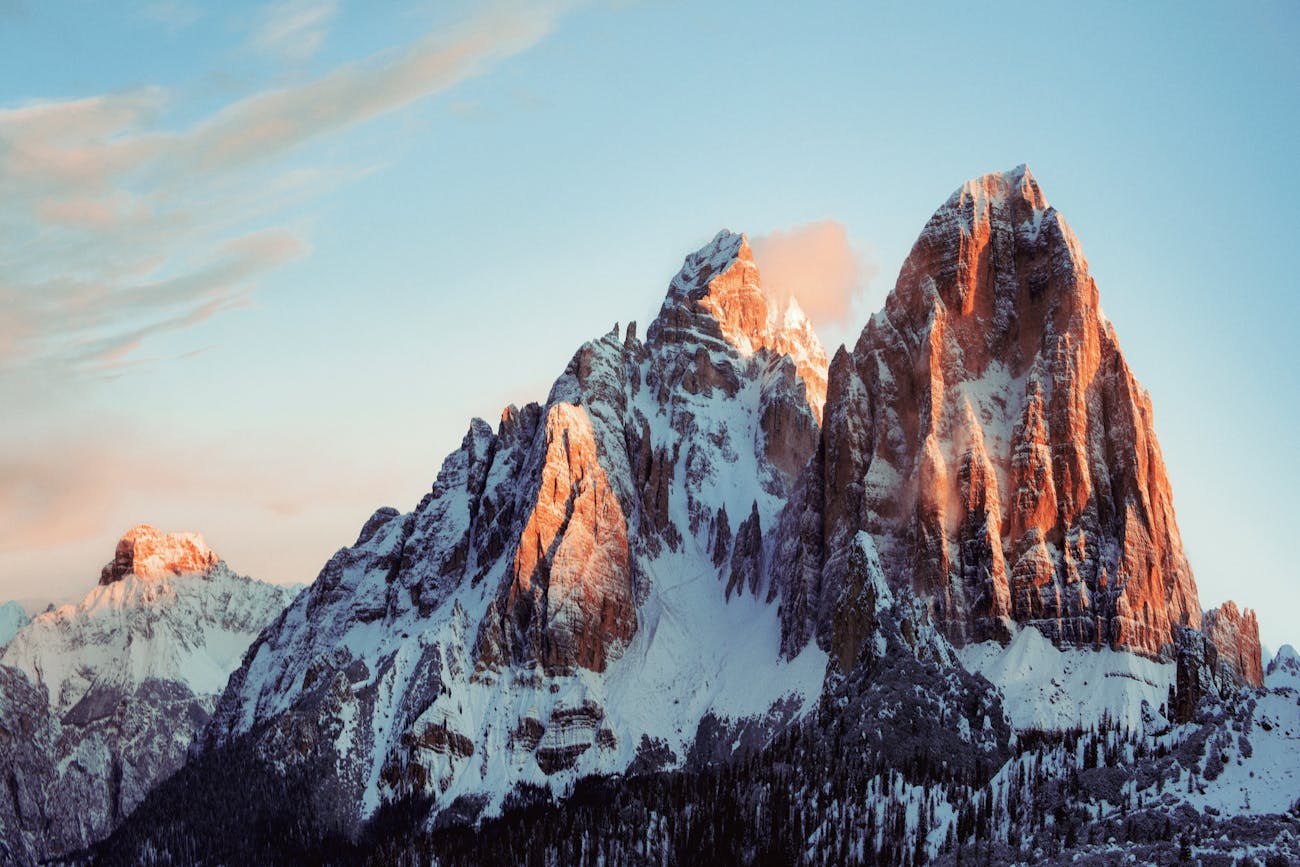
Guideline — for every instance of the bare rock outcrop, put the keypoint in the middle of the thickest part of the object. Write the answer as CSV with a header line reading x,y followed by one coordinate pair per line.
x,y
1236,635
149,553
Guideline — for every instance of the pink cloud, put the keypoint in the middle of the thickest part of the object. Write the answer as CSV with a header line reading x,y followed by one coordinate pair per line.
x,y
818,266
65,499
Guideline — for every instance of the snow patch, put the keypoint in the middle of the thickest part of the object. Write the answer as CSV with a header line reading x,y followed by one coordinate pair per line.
x,y
1044,687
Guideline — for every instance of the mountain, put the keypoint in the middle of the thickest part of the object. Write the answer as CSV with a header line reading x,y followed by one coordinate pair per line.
x,y
127,678
988,433
717,600
12,619
566,573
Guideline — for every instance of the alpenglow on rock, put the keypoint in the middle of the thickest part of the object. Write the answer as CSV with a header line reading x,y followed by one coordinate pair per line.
x,y
1236,635
988,433
660,571
130,674
145,552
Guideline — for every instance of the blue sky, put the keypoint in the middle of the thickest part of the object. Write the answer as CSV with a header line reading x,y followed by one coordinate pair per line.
x,y
358,225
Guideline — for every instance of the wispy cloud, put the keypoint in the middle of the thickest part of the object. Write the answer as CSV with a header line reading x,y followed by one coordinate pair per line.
x,y
817,265
294,29
172,14
115,227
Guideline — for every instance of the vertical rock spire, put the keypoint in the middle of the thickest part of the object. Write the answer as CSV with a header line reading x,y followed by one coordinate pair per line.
x,y
988,432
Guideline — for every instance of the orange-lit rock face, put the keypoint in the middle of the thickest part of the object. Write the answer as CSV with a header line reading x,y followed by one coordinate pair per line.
x,y
752,321
1236,635
725,302
148,553
570,602
988,432
635,453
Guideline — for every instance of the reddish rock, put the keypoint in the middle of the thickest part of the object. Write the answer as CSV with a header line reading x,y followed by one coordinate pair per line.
x,y
722,302
570,601
988,433
148,553
1236,635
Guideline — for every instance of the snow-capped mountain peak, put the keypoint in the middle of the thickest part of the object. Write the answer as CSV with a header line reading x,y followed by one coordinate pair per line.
x,y
719,298
1284,669
131,673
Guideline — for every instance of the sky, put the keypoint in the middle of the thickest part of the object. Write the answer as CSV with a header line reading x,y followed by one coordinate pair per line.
x,y
260,263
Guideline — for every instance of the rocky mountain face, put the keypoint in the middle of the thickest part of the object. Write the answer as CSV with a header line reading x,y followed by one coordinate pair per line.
x,y
27,758
1236,636
126,678
146,552
566,573
987,432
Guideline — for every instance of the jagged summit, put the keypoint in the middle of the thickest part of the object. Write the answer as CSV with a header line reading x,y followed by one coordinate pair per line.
x,y
1017,186
717,301
597,553
147,552
1236,635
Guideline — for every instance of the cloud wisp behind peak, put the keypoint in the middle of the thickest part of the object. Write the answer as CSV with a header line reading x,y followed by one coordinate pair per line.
x,y
816,264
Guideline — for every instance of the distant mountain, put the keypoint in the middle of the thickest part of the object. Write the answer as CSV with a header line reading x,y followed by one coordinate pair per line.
x,y
715,600
1284,669
12,618
127,678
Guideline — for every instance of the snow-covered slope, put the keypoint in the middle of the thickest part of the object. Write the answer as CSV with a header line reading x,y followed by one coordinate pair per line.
x,y
191,628
131,673
580,588
1045,687
12,618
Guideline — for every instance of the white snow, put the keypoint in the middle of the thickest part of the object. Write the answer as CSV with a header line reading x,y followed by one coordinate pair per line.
x,y
1045,687
1267,781
190,628
1284,669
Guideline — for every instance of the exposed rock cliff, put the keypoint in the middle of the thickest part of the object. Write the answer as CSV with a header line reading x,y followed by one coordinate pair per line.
x,y
987,432
145,552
